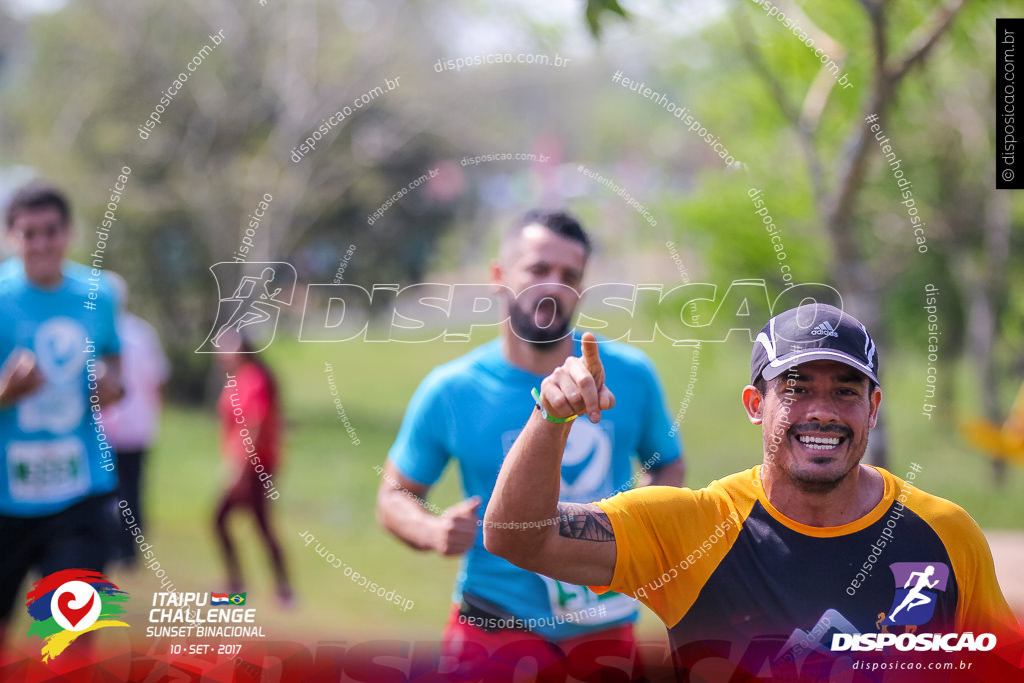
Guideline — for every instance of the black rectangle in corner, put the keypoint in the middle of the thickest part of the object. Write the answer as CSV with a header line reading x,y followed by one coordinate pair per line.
x,y
1009,121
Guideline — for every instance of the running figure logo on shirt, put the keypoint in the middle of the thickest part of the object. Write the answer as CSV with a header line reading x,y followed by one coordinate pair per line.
x,y
917,587
255,302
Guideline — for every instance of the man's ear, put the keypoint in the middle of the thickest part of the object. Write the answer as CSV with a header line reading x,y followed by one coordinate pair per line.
x,y
876,401
496,274
753,401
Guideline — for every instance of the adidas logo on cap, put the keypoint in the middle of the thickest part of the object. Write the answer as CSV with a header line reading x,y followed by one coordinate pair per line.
x,y
809,333
825,330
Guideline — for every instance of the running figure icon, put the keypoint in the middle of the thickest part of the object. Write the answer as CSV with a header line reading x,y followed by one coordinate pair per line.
x,y
250,303
916,598
254,304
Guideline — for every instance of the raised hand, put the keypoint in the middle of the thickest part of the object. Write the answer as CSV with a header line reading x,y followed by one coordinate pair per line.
x,y
577,386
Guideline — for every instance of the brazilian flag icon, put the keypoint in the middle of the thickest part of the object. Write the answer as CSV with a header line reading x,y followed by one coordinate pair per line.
x,y
237,598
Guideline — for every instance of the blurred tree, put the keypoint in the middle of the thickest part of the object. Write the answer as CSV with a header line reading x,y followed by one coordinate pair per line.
x,y
974,222
226,137
783,110
836,195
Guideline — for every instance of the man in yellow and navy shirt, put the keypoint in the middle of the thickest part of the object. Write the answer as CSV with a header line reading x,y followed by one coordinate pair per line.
x,y
810,563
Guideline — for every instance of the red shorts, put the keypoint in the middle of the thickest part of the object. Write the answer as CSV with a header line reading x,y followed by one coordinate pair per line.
x,y
469,653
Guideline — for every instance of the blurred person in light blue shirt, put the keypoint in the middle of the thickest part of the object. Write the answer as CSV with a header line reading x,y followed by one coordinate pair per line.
x,y
59,366
470,411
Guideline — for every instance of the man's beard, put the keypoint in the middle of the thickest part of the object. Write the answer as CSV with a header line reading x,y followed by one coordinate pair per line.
x,y
524,326
812,484
816,483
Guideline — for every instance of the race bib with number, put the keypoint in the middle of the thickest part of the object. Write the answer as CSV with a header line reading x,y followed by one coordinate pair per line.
x,y
586,607
47,471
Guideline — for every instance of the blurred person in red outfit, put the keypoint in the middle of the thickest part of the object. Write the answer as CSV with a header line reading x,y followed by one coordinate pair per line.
x,y
250,418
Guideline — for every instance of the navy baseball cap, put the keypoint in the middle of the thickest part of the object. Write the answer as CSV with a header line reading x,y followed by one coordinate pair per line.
x,y
812,332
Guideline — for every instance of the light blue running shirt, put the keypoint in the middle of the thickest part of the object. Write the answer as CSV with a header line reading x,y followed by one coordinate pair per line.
x,y
473,408
50,447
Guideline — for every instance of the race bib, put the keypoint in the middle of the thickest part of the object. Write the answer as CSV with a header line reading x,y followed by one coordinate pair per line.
x,y
580,605
47,471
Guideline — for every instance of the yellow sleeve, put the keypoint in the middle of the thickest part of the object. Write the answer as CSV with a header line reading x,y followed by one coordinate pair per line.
x,y
668,542
981,607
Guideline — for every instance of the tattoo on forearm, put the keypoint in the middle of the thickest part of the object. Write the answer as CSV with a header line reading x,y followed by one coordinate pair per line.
x,y
585,522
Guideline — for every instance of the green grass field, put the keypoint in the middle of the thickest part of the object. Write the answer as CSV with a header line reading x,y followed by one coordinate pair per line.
x,y
328,485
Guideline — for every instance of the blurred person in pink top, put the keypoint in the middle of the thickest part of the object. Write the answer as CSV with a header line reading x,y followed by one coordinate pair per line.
x,y
250,418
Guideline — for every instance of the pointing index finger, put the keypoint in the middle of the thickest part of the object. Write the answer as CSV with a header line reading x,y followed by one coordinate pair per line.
x,y
591,355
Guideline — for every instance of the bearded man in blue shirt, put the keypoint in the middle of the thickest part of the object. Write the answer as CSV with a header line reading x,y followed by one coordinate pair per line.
x,y
470,410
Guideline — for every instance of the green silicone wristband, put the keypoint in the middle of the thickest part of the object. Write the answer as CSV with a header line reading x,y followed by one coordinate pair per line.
x,y
557,420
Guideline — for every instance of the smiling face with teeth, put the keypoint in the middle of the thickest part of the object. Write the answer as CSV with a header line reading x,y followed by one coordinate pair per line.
x,y
815,421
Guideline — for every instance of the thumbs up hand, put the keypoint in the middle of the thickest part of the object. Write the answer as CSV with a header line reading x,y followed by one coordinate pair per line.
x,y
577,386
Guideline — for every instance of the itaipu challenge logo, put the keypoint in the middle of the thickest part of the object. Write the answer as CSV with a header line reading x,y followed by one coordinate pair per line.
x,y
68,603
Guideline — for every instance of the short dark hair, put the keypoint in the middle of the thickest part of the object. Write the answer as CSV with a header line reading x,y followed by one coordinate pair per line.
x,y
560,222
38,195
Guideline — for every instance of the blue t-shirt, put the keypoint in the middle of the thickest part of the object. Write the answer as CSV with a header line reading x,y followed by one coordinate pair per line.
x,y
53,447
473,408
